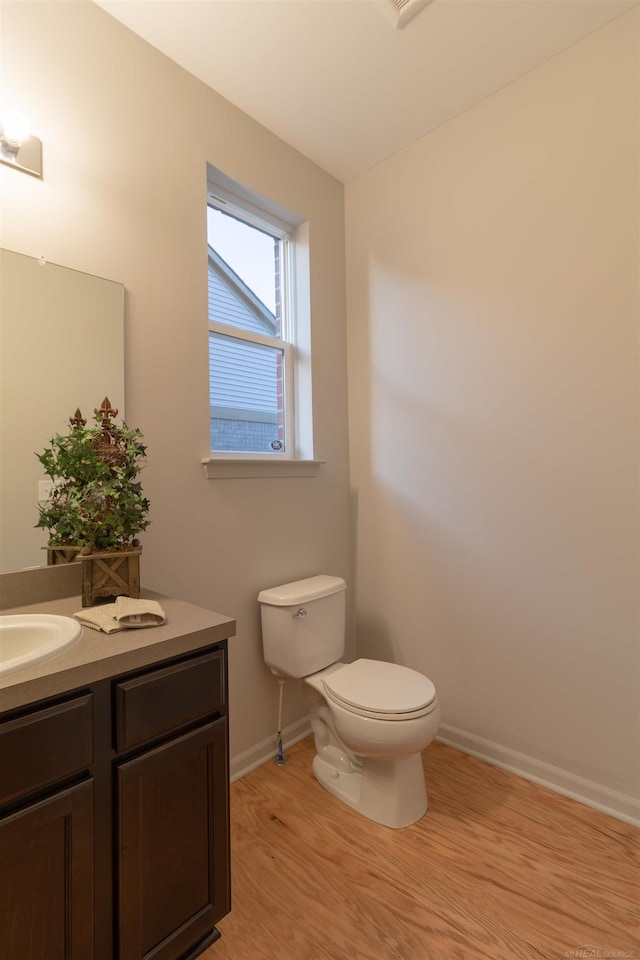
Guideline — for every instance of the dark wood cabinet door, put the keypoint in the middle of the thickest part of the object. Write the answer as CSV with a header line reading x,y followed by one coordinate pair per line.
x,y
173,852
46,878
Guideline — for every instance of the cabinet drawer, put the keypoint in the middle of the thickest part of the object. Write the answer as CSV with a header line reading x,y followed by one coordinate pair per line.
x,y
45,746
164,700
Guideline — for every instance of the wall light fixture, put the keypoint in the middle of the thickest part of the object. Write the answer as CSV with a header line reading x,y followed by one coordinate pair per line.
x,y
18,147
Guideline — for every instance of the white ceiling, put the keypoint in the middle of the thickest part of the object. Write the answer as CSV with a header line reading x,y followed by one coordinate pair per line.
x,y
338,82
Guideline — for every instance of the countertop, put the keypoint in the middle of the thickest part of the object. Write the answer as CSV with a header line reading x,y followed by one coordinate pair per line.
x,y
98,655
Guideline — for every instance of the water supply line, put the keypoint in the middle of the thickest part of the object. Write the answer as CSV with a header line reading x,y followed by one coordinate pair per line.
x,y
280,758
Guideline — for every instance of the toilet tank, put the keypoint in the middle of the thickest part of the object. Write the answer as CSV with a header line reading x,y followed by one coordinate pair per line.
x,y
303,625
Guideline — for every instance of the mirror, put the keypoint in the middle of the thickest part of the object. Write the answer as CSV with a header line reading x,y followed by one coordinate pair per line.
x,y
61,347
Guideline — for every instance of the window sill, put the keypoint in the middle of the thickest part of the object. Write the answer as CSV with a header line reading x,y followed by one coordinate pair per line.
x,y
226,468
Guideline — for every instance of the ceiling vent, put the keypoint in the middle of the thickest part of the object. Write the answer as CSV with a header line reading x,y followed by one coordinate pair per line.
x,y
405,10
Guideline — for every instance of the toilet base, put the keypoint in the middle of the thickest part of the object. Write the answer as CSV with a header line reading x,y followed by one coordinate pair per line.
x,y
389,791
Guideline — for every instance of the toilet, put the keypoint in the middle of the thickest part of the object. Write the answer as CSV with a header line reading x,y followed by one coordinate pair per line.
x,y
370,719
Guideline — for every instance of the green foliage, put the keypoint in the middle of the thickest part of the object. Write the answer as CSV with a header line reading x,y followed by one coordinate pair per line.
x,y
97,501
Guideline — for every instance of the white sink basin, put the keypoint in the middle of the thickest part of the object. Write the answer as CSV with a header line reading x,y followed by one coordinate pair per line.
x,y
30,638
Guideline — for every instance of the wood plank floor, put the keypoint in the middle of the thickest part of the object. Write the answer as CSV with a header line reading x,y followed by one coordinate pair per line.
x,y
498,868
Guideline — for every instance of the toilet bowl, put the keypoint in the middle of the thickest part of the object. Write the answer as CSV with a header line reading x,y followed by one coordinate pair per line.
x,y
369,737
370,719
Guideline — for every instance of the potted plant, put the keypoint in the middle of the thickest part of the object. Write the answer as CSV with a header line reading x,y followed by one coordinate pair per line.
x,y
97,507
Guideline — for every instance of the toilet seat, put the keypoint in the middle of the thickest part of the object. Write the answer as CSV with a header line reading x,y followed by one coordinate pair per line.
x,y
382,691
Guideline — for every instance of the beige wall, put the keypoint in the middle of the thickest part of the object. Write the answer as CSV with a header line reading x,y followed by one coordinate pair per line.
x,y
127,135
493,384
493,381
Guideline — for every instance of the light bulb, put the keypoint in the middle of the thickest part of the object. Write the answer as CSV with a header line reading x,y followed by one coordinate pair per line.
x,y
14,128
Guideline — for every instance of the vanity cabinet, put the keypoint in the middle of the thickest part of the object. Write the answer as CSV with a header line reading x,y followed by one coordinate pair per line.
x,y
46,842
172,871
172,806
46,858
114,817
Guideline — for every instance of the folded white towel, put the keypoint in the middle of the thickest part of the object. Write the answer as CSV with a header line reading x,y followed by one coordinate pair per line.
x,y
138,613
124,613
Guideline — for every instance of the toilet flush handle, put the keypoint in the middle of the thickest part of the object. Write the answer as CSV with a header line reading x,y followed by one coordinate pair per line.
x,y
299,614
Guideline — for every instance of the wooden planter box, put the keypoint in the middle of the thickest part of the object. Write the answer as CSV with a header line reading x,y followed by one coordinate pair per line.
x,y
110,575
56,555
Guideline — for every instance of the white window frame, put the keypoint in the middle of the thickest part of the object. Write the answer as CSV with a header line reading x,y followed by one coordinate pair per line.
x,y
295,341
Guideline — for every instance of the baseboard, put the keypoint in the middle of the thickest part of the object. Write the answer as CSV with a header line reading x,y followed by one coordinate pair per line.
x,y
592,794
616,804
255,756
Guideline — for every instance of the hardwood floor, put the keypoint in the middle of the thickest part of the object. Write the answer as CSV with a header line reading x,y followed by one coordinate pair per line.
x,y
498,868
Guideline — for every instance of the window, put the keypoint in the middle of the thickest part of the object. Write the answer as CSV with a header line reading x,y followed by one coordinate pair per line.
x,y
259,332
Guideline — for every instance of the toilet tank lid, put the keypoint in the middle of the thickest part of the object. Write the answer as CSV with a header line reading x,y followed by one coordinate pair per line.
x,y
302,591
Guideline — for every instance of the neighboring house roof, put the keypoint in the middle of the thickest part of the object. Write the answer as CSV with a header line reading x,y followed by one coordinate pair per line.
x,y
232,293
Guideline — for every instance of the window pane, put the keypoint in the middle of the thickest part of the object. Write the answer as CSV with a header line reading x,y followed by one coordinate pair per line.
x,y
246,396
244,275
